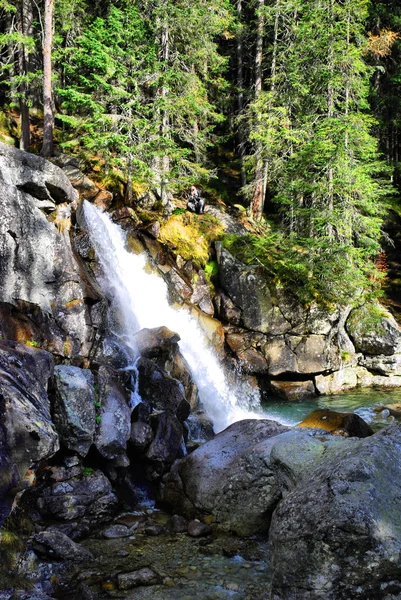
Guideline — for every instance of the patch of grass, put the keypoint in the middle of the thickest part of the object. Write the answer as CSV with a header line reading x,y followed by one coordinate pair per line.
x,y
191,235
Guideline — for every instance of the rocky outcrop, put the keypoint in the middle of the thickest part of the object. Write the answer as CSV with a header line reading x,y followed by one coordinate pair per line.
x,y
77,499
374,331
27,433
114,425
274,336
337,534
228,478
74,411
42,295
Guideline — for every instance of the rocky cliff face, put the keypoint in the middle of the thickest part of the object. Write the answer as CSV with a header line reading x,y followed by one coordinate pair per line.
x,y
303,351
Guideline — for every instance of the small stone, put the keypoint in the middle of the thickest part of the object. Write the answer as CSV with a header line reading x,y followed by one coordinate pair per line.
x,y
122,553
155,530
233,587
198,529
128,519
71,461
143,576
178,524
116,531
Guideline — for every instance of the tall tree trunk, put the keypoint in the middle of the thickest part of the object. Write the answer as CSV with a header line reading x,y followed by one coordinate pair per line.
x,y
48,122
24,23
257,200
330,114
273,75
165,126
240,93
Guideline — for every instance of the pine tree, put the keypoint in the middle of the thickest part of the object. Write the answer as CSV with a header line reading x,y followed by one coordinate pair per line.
x,y
136,88
314,122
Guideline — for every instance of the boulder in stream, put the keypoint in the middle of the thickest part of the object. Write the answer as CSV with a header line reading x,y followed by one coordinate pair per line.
x,y
337,534
228,477
338,423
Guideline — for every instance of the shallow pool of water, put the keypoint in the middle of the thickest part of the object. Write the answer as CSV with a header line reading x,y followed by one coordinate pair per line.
x,y
362,402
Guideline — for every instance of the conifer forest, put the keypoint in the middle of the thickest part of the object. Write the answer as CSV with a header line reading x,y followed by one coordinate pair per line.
x,y
288,108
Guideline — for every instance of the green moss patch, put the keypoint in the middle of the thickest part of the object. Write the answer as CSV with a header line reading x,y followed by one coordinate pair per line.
x,y
191,235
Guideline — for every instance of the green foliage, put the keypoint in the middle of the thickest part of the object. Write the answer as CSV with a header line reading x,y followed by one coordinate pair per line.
x,y
211,269
87,471
327,182
12,542
32,343
312,270
135,88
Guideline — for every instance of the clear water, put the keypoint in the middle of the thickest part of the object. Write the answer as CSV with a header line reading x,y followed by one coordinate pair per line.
x,y
140,299
362,402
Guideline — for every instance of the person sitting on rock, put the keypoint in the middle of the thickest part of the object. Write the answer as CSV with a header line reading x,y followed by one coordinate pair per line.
x,y
195,202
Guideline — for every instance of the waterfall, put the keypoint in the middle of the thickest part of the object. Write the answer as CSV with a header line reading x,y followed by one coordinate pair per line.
x,y
140,300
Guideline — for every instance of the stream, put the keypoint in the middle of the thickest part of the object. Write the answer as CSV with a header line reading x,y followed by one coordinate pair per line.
x,y
362,402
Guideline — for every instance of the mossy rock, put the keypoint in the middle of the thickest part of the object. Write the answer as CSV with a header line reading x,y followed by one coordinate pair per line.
x,y
191,235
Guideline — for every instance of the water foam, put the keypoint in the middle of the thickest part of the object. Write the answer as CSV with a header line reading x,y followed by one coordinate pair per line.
x,y
140,299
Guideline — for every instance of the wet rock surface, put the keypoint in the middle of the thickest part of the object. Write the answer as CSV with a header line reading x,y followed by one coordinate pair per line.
x,y
74,411
114,425
346,424
228,478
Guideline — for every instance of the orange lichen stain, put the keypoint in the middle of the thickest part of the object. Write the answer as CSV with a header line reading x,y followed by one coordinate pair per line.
x,y
108,586
73,303
67,348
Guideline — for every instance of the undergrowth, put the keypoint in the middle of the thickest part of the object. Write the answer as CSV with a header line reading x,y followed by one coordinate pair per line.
x,y
314,270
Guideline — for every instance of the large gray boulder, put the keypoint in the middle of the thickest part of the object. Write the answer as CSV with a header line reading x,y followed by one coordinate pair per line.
x,y
55,544
166,445
337,533
228,478
161,391
74,412
35,175
114,428
39,274
374,331
27,434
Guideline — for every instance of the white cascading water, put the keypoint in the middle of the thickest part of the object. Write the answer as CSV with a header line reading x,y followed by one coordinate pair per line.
x,y
141,300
